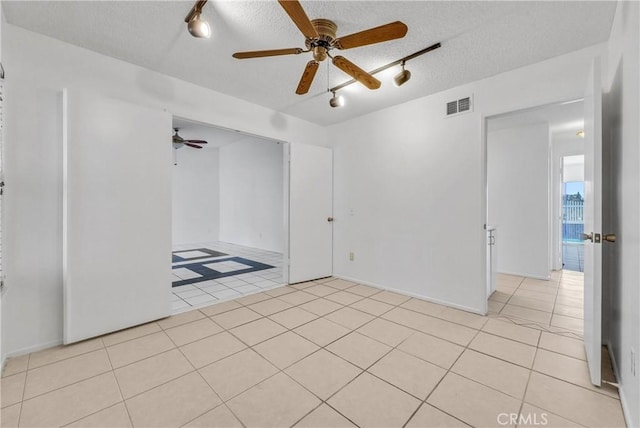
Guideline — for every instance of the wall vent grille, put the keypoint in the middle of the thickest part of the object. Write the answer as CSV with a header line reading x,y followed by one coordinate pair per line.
x,y
463,105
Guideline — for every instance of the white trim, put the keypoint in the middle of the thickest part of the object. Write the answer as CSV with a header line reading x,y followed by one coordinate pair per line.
x,y
406,293
30,349
623,400
526,275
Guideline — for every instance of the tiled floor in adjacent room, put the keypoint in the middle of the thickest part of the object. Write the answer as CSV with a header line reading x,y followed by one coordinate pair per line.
x,y
317,354
198,294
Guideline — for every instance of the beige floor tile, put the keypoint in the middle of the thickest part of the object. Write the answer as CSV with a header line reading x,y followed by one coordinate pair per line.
x,y
531,416
321,307
276,402
253,298
257,331
71,403
323,373
183,318
447,330
348,317
526,314
573,293
193,331
364,290
10,416
174,403
372,307
12,389
506,288
235,317
324,417
504,349
385,331
320,290
294,317
298,298
344,297
322,332
303,285
370,402
340,284
390,297
492,372
432,349
212,349
568,369
468,319
570,301
130,333
137,349
509,330
411,374
428,416
220,417
280,291
270,306
151,372
569,323
65,372
358,349
237,373
499,296
422,306
572,402
563,345
473,403
51,355
406,317
568,311
545,297
495,307
220,308
112,417
527,302
286,349
15,365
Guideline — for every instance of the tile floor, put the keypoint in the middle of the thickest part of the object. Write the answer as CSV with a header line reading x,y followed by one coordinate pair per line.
x,y
198,294
317,354
555,305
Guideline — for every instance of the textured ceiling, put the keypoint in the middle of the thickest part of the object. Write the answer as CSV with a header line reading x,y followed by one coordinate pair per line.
x,y
479,39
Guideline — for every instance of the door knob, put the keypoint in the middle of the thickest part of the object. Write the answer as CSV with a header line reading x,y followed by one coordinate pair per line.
x,y
610,237
587,237
329,219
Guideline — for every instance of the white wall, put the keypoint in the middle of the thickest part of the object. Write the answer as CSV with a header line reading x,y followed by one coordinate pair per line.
x,y
573,170
621,199
39,66
518,198
195,197
409,183
251,194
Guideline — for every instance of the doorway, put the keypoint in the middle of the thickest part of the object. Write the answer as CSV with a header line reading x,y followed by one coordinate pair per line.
x,y
229,205
573,213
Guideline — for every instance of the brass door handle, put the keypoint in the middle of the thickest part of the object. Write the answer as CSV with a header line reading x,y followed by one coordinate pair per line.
x,y
610,237
587,237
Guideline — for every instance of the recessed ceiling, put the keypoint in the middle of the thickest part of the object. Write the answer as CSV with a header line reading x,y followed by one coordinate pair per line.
x,y
479,39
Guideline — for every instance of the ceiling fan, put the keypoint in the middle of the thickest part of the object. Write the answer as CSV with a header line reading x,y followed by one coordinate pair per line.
x,y
179,142
320,38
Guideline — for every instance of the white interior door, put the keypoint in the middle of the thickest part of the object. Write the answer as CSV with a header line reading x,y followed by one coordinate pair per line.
x,y
593,221
117,215
310,211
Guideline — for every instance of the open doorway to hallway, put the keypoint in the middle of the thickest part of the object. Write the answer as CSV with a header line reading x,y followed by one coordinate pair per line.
x,y
573,213
228,225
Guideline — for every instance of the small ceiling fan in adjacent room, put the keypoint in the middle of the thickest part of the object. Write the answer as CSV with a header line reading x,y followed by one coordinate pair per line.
x,y
179,142
320,39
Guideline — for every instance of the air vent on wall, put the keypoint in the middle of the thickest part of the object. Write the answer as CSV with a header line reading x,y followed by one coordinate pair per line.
x,y
463,105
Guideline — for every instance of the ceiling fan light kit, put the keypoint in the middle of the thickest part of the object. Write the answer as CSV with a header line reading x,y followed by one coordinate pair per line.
x,y
403,77
197,26
336,100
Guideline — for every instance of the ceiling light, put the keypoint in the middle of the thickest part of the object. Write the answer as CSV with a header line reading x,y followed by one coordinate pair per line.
x,y
580,133
403,77
336,100
197,26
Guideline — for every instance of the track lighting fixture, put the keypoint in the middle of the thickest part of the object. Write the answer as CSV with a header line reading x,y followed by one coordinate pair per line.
x,y
197,26
336,100
403,77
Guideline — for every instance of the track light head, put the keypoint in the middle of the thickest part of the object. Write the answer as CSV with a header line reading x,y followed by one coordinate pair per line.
x,y
199,27
336,100
403,77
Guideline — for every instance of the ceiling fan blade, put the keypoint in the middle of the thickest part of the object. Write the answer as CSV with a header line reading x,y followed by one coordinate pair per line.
x,y
356,72
299,17
272,52
192,145
383,33
196,141
307,77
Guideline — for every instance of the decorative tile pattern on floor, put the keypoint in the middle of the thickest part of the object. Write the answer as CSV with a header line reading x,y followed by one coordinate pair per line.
x,y
214,269
195,254
286,357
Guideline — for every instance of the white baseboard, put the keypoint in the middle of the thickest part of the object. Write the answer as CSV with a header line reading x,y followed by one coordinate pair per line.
x,y
407,293
526,275
623,399
29,349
